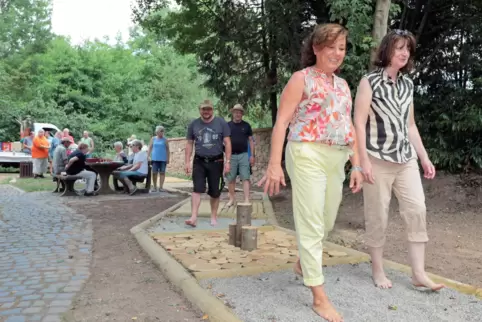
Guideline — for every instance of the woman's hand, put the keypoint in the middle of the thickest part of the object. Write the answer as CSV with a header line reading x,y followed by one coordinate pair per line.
x,y
367,170
356,180
428,169
272,179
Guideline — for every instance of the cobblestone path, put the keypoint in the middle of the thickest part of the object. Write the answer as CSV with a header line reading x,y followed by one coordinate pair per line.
x,y
45,254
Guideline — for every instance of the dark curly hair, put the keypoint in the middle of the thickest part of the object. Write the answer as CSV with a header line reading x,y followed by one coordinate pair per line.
x,y
387,48
323,35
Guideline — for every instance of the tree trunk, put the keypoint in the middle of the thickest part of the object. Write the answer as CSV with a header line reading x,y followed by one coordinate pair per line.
x,y
249,239
232,234
380,25
243,218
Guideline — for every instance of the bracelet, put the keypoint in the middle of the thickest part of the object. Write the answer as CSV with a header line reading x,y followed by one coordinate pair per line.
x,y
356,168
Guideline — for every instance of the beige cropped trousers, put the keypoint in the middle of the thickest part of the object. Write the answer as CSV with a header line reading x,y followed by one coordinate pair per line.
x,y
406,183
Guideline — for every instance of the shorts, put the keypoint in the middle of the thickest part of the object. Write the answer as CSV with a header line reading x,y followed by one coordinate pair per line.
x,y
239,165
210,170
159,166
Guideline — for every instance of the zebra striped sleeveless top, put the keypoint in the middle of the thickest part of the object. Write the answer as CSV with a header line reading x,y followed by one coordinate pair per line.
x,y
387,123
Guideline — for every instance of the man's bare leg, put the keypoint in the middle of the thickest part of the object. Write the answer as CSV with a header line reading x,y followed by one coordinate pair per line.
x,y
195,202
232,193
214,210
246,185
416,253
378,273
322,305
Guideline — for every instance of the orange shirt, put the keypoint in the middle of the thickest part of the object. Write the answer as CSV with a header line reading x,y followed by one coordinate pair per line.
x,y
37,151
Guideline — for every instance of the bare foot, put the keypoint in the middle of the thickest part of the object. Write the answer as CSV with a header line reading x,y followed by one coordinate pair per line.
x,y
425,281
297,268
214,222
326,310
381,280
190,222
230,203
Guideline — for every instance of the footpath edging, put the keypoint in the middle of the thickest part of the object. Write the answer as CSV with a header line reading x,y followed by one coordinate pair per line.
x,y
178,275
216,310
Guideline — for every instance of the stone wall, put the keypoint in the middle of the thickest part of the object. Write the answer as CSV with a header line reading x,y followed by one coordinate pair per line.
x,y
262,138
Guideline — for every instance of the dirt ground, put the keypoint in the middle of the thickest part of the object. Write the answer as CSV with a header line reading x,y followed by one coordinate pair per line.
x,y
124,284
454,222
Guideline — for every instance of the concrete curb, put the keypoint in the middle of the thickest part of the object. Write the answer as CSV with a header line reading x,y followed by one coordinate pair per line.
x,y
16,188
178,275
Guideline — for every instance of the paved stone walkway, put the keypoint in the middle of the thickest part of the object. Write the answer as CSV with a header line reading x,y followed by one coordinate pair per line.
x,y
45,254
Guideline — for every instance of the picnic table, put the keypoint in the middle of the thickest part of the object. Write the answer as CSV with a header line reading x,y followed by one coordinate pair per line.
x,y
104,169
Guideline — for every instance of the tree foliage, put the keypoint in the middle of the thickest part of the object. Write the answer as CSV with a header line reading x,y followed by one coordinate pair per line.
x,y
248,49
112,91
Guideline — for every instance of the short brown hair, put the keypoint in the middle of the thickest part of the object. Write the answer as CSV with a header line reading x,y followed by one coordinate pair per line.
x,y
323,35
387,48
82,146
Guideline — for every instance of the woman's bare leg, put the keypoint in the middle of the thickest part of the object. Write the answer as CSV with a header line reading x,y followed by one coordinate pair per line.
x,y
322,305
416,253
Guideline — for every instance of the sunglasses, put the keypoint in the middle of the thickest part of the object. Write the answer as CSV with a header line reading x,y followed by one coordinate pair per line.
x,y
401,32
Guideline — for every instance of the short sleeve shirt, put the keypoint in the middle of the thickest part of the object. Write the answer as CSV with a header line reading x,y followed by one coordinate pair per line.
x,y
37,151
78,165
141,156
208,137
59,159
240,133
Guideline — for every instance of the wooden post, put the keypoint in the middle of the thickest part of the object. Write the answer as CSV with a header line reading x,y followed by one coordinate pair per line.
x,y
243,218
232,234
249,239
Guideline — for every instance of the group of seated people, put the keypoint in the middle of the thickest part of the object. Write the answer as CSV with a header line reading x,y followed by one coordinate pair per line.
x,y
75,164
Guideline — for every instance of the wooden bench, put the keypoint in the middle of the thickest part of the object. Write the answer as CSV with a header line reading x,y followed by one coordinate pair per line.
x,y
67,182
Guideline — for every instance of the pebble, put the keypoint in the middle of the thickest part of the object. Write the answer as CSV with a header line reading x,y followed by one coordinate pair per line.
x,y
45,255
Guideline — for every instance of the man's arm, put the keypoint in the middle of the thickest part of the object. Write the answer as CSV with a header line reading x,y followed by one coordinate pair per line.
x,y
227,148
189,144
227,140
188,152
71,161
251,140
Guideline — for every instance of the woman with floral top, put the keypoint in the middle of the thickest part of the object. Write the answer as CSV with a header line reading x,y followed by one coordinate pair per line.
x,y
316,105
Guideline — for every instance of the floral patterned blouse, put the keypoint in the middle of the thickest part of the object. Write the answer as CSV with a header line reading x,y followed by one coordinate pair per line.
x,y
324,113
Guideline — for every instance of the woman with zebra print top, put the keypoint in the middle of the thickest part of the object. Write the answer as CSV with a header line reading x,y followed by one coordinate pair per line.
x,y
384,116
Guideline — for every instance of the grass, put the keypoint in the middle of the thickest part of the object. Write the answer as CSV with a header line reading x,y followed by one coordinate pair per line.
x,y
178,175
30,184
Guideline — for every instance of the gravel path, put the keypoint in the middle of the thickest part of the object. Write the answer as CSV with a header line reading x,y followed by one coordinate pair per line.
x,y
281,297
45,254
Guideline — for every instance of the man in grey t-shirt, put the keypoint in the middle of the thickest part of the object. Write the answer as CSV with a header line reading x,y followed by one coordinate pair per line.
x,y
210,136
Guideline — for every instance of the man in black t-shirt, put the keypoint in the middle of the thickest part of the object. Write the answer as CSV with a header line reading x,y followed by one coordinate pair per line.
x,y
76,166
241,162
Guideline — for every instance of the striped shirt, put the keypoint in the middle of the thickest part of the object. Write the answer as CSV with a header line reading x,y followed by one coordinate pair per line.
x,y
387,123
